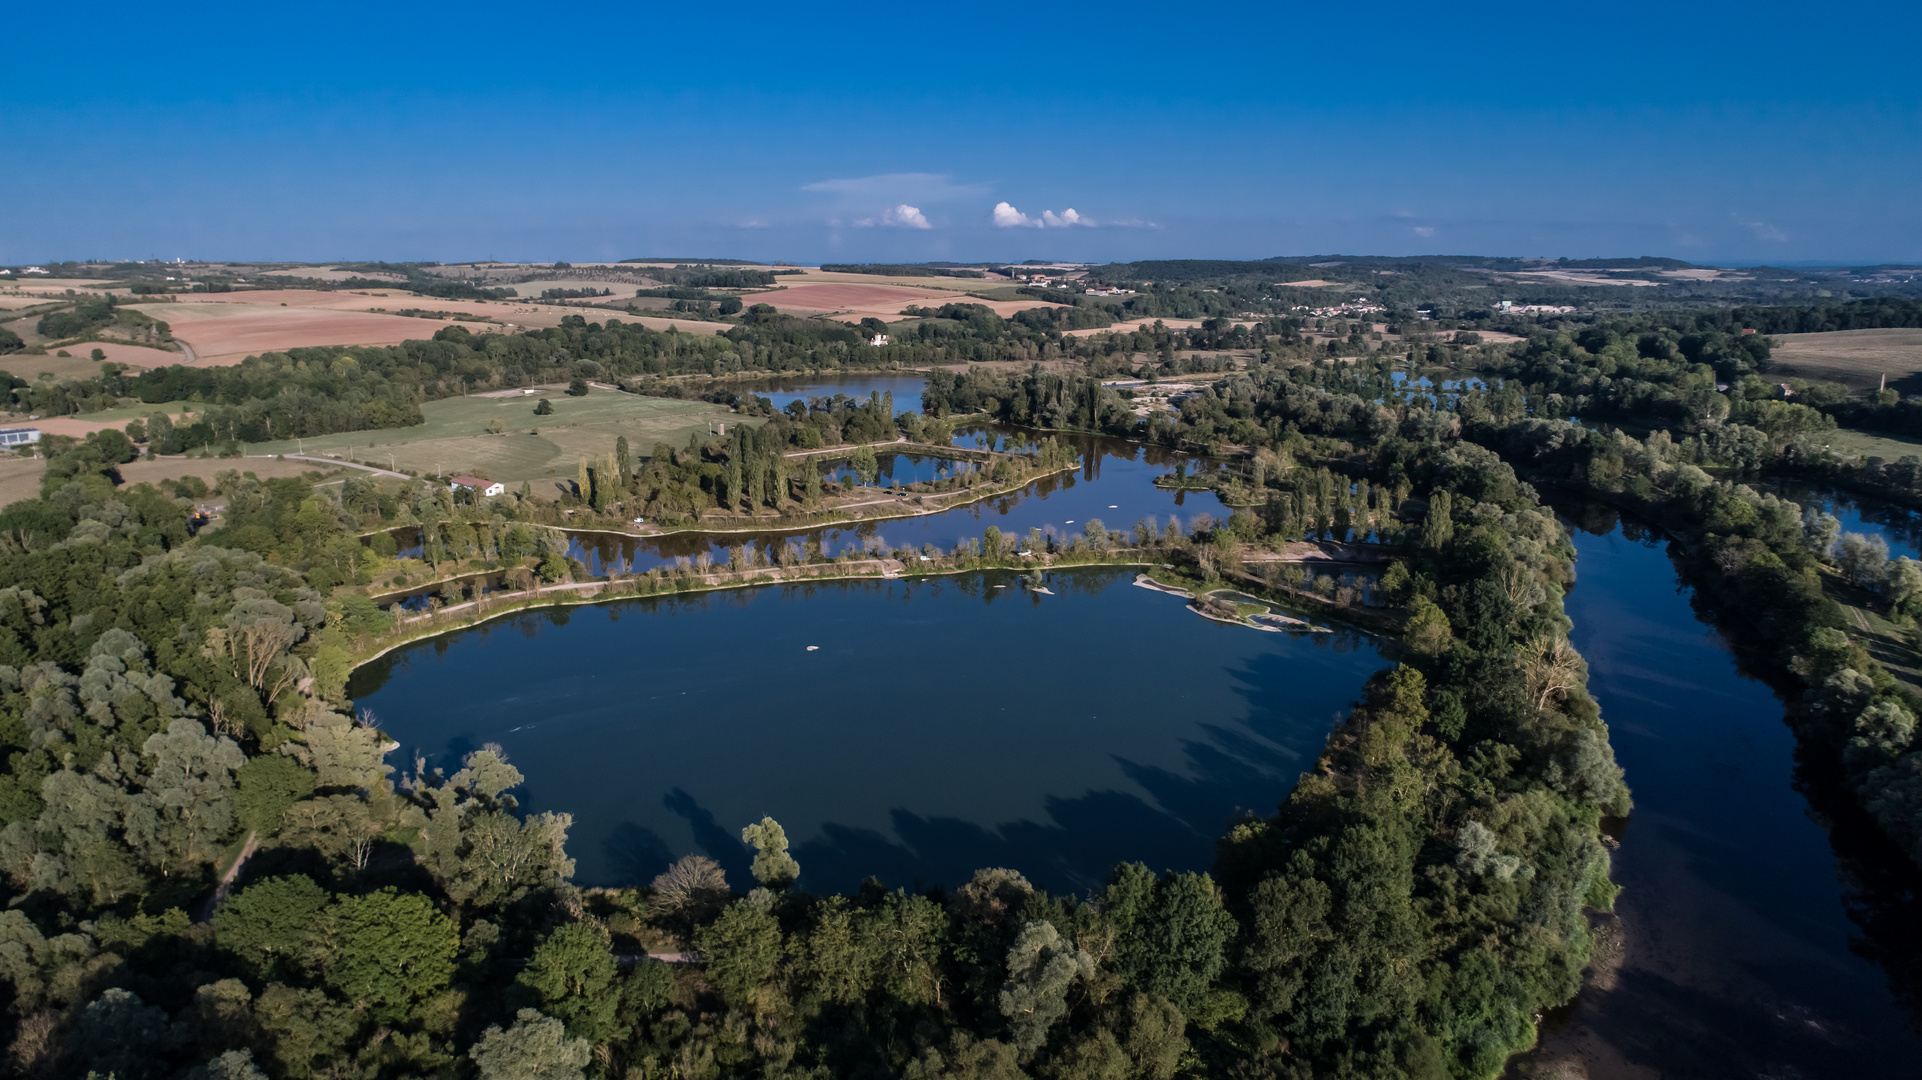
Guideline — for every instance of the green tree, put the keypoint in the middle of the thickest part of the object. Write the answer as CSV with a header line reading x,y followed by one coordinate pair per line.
x,y
186,812
577,387
1042,968
773,866
573,972
274,926
1438,528
1173,942
543,407
537,1047
392,951
265,787
741,950
833,958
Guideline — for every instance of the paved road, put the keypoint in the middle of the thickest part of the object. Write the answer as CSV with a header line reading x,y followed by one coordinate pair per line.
x,y
334,461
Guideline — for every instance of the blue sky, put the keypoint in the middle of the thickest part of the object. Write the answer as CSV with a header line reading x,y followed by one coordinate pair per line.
x,y
867,132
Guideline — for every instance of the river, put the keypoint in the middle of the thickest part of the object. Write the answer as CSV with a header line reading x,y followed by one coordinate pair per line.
x,y
1742,946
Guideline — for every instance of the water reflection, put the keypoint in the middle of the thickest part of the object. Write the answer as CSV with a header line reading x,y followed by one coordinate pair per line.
x,y
1059,505
942,725
1739,959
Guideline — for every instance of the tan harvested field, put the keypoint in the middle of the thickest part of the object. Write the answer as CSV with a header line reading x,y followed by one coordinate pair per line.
x,y
1315,283
856,300
685,326
1132,325
20,477
9,302
1703,273
938,284
227,332
1858,358
57,286
1574,277
315,273
120,352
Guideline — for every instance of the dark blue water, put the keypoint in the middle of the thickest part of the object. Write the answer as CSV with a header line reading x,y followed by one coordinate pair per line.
x,y
1742,955
942,726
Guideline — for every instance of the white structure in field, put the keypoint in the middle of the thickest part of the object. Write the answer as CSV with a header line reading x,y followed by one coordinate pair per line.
x,y
487,488
23,436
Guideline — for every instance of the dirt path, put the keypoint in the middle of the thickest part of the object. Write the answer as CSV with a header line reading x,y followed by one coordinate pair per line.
x,y
227,879
336,462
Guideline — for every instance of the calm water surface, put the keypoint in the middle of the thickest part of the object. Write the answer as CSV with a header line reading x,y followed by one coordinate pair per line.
x,y
941,725
1114,483
1746,955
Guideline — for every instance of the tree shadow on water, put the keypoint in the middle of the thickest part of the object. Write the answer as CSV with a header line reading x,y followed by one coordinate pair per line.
x,y
634,854
720,845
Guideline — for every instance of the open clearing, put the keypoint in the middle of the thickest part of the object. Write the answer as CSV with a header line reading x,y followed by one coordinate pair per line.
x,y
20,477
455,440
32,366
1866,444
1858,358
120,352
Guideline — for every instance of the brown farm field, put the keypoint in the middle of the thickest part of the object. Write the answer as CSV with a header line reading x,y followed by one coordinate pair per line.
x,y
227,332
856,300
1858,358
121,352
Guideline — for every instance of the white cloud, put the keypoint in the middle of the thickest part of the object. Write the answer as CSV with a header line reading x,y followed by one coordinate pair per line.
x,y
900,217
1007,217
1424,230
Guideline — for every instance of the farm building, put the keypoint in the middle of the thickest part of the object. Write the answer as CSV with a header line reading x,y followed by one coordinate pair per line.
x,y
488,488
24,436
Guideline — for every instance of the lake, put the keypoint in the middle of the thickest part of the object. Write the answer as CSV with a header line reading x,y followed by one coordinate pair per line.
x,y
941,725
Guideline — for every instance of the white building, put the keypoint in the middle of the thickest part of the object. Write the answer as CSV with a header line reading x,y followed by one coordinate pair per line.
x,y
23,436
487,488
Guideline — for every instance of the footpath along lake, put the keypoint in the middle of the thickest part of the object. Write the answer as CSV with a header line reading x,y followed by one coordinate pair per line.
x,y
945,725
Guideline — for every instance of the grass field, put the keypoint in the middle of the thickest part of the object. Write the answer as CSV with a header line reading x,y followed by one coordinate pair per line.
x,y
29,366
1865,444
1858,358
455,439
